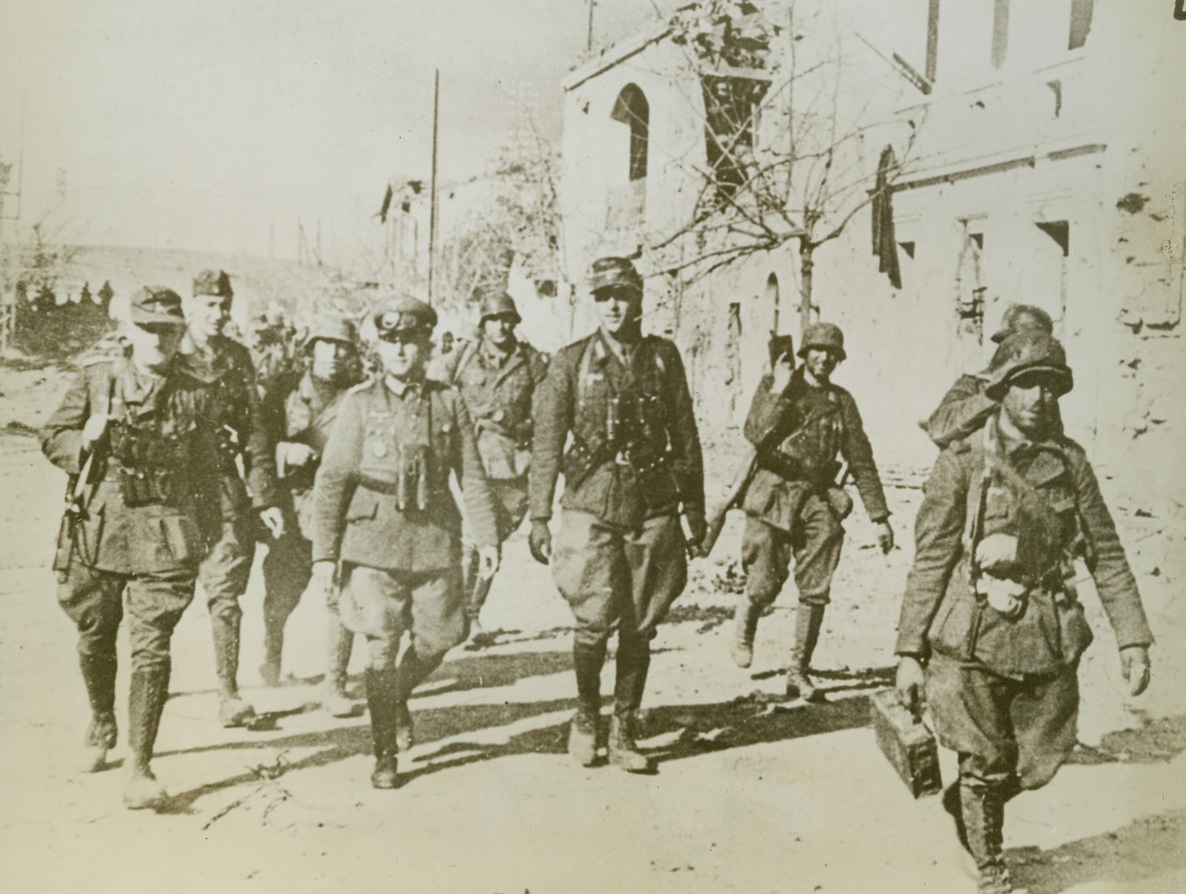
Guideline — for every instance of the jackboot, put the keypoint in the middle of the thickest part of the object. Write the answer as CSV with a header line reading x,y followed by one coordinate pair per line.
x,y
98,674
232,709
633,663
269,671
982,806
584,729
146,700
382,692
745,625
340,642
413,670
477,637
808,619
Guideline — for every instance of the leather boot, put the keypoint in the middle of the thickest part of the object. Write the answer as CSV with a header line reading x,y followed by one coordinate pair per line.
x,y
98,674
808,619
982,806
584,729
477,637
232,709
340,643
745,625
146,700
633,663
382,689
413,670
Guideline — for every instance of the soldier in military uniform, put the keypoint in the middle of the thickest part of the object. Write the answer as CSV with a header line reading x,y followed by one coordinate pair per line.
x,y
965,406
801,423
633,464
990,610
130,435
383,509
221,370
497,377
299,415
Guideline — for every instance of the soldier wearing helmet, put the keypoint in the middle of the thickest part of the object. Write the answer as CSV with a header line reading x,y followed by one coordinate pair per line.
x,y
990,609
383,514
618,401
223,370
801,424
497,376
299,414
965,406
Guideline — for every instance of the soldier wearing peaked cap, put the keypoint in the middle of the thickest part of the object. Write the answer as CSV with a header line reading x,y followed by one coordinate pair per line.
x,y
497,376
221,370
965,406
614,413
132,438
299,414
383,511
990,609
801,424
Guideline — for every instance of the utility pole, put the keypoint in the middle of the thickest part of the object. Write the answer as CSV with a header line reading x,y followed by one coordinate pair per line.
x,y
589,38
432,197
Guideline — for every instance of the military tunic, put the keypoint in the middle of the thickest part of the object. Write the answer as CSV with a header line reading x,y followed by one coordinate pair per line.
x,y
400,566
224,377
303,413
619,556
1002,688
798,435
149,551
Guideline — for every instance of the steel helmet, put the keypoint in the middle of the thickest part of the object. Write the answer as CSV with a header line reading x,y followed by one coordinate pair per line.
x,y
823,335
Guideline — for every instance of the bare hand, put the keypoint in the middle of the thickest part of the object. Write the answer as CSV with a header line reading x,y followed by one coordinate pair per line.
x,y
540,542
697,531
93,430
910,684
488,559
885,536
1134,664
781,371
997,552
298,456
273,519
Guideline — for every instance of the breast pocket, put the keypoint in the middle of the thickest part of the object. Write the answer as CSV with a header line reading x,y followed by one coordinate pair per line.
x,y
379,452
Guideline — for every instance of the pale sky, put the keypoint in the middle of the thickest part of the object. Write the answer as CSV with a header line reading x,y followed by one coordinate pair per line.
x,y
203,124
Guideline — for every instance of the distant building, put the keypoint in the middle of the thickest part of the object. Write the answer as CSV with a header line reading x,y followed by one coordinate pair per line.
x,y
1047,169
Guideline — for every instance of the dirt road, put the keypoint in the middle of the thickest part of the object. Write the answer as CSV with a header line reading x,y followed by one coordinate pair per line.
x,y
751,795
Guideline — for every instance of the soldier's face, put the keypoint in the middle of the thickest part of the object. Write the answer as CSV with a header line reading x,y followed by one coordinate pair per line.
x,y
499,330
207,315
821,363
154,346
403,356
329,359
1030,401
618,308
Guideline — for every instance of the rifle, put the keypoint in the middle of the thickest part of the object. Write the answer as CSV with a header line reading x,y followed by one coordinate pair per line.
x,y
730,499
80,491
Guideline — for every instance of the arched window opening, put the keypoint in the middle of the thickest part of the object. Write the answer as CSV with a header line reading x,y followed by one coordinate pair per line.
x,y
633,110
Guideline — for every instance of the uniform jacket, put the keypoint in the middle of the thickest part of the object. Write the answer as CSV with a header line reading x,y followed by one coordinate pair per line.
x,y
498,393
775,498
159,537
566,405
355,516
225,379
303,413
1055,502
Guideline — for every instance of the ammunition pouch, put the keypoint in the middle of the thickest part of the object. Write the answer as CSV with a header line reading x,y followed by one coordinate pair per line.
x,y
582,458
146,462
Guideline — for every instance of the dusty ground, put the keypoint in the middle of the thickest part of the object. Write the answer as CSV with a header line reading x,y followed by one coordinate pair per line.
x,y
751,796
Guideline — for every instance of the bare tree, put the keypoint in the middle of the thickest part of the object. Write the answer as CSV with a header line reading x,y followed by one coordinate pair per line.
x,y
792,150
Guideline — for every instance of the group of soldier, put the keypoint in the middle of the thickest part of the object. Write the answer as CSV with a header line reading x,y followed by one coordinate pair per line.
x,y
181,463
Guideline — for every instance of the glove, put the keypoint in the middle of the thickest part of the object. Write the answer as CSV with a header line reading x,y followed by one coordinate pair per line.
x,y
1134,664
910,684
540,541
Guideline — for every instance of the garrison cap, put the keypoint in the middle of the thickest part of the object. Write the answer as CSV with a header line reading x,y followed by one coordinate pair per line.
x,y
1028,350
609,272
156,306
332,329
213,282
409,315
497,304
823,335
1023,316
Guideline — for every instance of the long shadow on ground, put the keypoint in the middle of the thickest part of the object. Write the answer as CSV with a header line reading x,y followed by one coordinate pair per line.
x,y
1145,849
